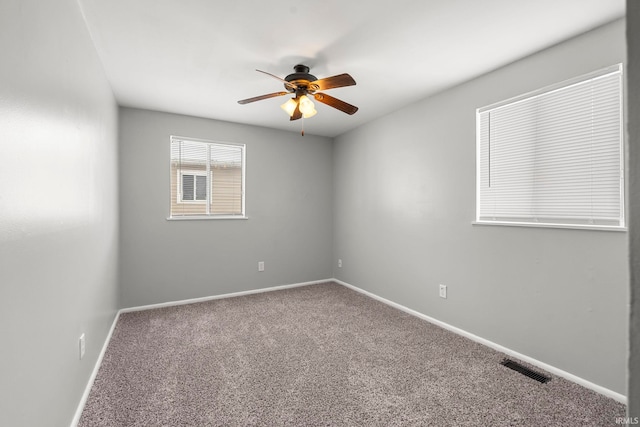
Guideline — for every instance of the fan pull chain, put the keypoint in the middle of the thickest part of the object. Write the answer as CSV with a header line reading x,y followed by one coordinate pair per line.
x,y
302,127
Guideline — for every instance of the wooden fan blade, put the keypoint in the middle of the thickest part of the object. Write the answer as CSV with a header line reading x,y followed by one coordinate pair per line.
x,y
335,103
340,80
288,84
261,97
297,114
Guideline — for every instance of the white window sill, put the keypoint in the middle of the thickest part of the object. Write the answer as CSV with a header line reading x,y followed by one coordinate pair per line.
x,y
206,217
542,225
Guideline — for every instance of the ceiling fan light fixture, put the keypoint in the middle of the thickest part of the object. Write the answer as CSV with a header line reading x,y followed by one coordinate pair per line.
x,y
306,107
290,106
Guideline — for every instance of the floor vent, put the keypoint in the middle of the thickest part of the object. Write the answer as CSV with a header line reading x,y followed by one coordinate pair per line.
x,y
525,371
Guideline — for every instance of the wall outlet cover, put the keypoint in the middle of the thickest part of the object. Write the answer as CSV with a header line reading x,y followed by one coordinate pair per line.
x,y
443,291
82,346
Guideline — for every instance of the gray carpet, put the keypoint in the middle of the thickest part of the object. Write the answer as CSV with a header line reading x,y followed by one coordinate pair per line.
x,y
320,355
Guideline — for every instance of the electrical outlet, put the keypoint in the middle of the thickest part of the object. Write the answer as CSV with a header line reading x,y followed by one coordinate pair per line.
x,y
339,263
261,266
443,291
81,342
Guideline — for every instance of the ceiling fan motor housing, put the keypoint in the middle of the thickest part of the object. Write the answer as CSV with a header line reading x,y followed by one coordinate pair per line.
x,y
300,78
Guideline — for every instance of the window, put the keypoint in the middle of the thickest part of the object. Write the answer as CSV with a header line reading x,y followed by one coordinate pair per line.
x,y
207,179
193,186
554,157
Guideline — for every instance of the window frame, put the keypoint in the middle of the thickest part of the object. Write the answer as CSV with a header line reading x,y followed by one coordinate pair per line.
x,y
210,216
617,68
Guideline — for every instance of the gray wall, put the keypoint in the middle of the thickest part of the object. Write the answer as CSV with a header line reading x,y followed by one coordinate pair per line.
x,y
404,200
289,205
633,115
404,203
58,210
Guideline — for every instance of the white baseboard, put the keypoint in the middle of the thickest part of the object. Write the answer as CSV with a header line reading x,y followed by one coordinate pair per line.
x,y
214,297
94,373
559,372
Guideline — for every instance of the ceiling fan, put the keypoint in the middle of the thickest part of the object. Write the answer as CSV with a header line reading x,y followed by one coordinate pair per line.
x,y
303,85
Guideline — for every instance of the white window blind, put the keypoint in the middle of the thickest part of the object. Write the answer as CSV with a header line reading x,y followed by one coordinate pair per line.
x,y
554,156
207,179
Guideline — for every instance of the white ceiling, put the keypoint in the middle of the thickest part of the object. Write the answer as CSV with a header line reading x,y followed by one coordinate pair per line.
x,y
198,57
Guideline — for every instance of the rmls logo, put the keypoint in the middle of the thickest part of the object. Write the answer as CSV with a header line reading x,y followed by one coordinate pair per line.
x,y
628,420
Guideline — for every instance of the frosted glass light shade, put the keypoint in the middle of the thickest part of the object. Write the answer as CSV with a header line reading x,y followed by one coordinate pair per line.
x,y
306,107
290,106
311,113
